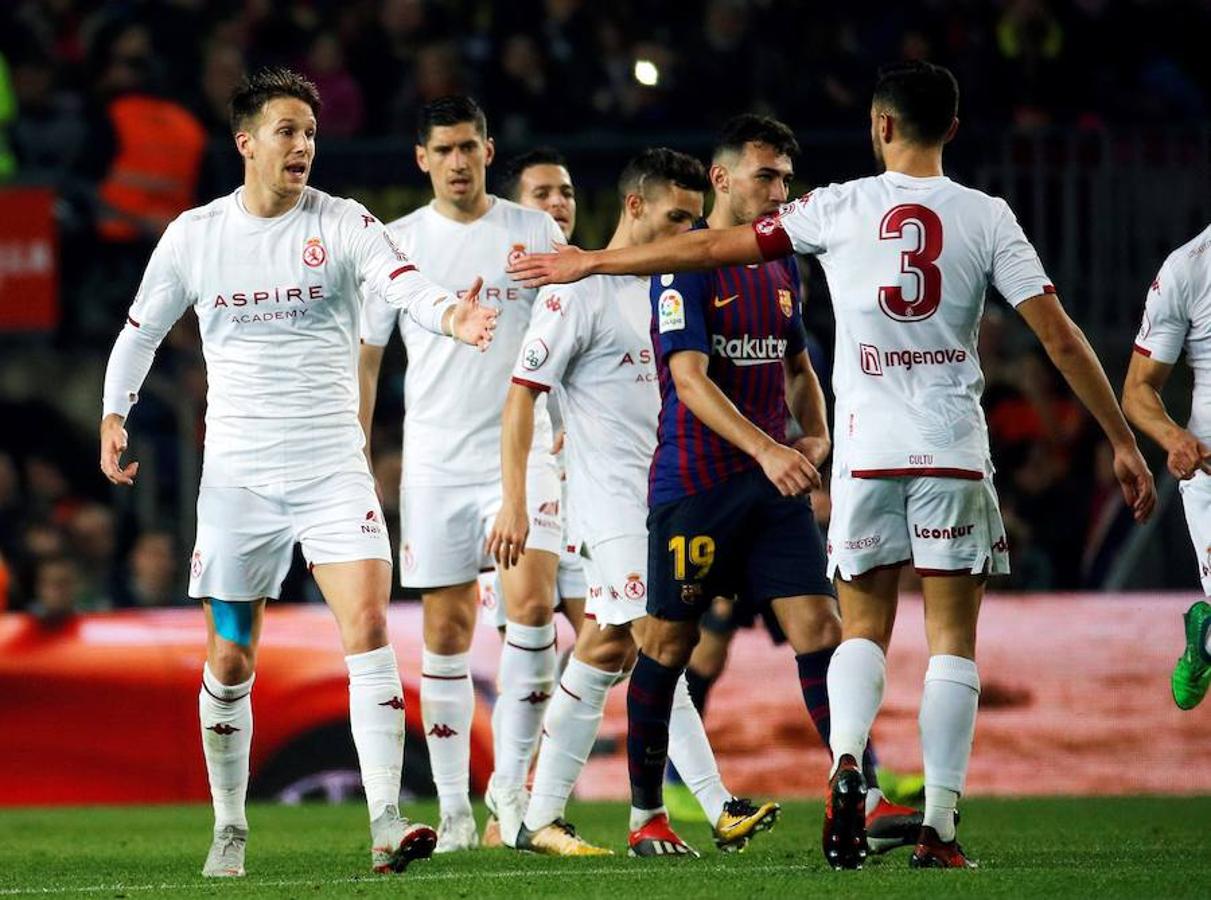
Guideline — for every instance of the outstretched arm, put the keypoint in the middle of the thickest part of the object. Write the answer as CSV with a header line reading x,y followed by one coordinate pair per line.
x,y
1068,349
705,248
507,540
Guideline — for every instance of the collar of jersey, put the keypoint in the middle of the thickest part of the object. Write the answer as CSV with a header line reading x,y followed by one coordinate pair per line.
x,y
432,207
237,197
914,179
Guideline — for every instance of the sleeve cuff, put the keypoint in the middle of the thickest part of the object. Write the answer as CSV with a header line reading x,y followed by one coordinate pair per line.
x,y
533,385
772,239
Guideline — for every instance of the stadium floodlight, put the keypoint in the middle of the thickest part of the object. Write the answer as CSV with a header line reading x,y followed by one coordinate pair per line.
x,y
646,73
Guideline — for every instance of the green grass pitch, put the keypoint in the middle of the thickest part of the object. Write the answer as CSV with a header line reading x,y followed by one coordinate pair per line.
x,y
1103,848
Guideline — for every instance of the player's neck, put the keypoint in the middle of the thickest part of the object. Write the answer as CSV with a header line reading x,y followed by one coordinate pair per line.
x,y
263,203
918,162
465,212
622,237
721,216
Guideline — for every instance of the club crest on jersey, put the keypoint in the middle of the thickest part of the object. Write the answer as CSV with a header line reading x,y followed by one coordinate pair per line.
x,y
767,225
670,311
516,254
634,588
314,253
534,354
785,302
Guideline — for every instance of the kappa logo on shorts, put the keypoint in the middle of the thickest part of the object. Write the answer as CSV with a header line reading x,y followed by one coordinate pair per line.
x,y
195,563
635,589
1002,545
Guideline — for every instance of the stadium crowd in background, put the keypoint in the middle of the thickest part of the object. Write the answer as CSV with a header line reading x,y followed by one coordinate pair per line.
x,y
543,68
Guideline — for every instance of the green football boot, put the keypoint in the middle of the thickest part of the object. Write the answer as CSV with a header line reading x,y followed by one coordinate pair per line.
x,y
1192,674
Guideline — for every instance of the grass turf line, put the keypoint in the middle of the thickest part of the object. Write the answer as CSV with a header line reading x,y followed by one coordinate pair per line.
x,y
1101,847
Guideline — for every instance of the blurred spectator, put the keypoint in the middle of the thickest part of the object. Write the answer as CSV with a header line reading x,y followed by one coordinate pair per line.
x,y
155,570
56,584
222,69
343,106
94,543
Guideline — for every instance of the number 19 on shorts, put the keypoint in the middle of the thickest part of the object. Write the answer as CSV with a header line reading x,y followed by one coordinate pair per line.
x,y
701,555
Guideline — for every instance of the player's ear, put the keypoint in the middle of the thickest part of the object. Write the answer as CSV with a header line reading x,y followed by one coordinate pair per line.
x,y
489,151
422,159
243,143
951,131
720,178
887,128
633,205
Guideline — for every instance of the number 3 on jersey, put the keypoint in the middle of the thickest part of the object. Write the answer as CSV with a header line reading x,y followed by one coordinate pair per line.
x,y
701,554
918,262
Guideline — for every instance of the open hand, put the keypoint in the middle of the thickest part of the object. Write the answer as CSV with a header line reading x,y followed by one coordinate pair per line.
x,y
113,445
472,323
565,265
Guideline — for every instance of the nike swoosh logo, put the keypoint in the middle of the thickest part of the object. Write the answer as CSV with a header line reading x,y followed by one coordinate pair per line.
x,y
719,304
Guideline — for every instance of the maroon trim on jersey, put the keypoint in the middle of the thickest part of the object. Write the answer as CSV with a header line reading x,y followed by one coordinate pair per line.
x,y
401,270
772,240
592,617
964,474
943,573
133,322
1143,351
534,385
1049,289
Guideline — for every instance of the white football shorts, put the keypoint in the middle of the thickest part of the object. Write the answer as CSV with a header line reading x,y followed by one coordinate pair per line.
x,y
616,571
940,525
1196,500
246,535
443,529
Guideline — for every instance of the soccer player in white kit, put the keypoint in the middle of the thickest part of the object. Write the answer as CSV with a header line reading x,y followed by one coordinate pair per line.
x,y
908,255
539,179
450,490
1177,318
274,272
591,344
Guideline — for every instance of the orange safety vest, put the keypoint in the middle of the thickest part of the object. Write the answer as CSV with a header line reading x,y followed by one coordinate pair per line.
x,y
154,176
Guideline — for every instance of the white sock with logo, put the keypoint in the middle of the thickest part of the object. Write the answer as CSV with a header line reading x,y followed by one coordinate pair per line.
x,y
447,704
225,712
947,722
569,731
376,717
527,677
856,677
690,751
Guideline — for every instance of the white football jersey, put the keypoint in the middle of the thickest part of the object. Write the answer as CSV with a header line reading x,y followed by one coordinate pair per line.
x,y
277,303
592,342
453,395
1177,316
908,261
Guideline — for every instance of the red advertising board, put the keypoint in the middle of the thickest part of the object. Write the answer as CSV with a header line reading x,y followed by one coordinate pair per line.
x,y
29,270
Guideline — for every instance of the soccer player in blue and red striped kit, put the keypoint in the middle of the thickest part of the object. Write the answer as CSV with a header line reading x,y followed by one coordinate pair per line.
x,y
729,511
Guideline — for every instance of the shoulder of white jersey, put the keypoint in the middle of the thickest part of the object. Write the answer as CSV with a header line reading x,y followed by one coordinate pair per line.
x,y
1196,251
521,217
199,215
409,221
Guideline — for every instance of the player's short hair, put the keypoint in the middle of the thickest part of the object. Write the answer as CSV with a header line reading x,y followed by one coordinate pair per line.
x,y
924,97
511,171
450,110
267,84
662,165
750,128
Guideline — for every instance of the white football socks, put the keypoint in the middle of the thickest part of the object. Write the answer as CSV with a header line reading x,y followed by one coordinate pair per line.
x,y
569,730
225,712
690,752
947,722
527,678
856,677
447,703
376,716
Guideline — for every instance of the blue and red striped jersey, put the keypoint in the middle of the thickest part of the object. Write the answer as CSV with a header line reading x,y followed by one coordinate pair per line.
x,y
747,320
